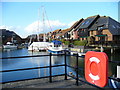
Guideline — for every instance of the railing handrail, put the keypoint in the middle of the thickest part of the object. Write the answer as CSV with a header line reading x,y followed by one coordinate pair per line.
x,y
31,68
29,56
50,66
23,56
118,62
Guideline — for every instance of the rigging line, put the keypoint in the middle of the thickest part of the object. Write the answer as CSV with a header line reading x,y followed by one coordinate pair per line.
x,y
47,19
43,14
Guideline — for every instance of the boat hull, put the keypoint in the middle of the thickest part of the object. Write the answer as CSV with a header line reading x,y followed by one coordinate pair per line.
x,y
56,52
10,47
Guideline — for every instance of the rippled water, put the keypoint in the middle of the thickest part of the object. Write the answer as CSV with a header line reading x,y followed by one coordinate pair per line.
x,y
10,64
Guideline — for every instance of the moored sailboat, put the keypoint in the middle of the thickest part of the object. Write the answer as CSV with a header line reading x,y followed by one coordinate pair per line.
x,y
39,46
9,45
55,47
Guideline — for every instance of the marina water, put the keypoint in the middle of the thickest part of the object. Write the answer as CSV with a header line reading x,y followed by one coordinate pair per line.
x,y
19,63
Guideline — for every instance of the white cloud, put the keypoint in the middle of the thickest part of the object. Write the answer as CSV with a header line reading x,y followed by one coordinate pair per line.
x,y
46,27
7,27
33,27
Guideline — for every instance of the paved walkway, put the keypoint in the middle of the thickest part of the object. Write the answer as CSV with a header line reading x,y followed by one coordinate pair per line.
x,y
58,82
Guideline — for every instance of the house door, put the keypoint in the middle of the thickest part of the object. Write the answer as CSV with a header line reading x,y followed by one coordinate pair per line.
x,y
102,39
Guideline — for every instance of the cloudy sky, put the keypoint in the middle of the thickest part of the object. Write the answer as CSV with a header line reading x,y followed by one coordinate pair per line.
x,y
25,17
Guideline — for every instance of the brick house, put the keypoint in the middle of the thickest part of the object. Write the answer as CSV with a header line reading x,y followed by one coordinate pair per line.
x,y
105,30
73,33
83,28
54,33
61,34
100,29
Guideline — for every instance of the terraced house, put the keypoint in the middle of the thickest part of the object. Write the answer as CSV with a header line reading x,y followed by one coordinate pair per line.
x,y
105,30
83,29
73,33
102,30
99,29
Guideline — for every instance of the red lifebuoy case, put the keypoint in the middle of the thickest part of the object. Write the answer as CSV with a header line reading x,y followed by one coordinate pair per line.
x,y
96,68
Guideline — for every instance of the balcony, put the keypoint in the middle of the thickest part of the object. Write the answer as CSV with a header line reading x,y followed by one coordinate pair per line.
x,y
101,35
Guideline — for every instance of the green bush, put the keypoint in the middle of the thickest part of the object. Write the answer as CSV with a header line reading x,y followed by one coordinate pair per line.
x,y
80,43
67,42
50,40
62,40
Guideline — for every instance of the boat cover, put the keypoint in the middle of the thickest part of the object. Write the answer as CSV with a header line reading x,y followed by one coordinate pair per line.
x,y
56,42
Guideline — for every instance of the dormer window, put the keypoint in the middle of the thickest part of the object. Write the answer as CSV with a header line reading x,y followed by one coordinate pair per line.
x,y
113,26
83,23
118,26
100,28
96,22
87,22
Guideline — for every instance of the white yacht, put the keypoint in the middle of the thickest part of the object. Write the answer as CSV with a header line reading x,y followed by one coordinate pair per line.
x,y
38,46
9,45
55,47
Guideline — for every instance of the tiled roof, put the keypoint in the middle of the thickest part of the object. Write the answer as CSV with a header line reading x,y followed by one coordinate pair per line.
x,y
76,24
107,23
114,26
102,21
56,30
63,32
88,21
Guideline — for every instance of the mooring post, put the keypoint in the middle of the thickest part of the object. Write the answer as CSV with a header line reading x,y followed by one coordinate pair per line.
x,y
118,70
65,66
50,71
32,49
112,50
101,49
77,69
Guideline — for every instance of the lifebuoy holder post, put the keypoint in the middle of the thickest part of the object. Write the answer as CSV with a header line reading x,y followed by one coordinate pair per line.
x,y
96,68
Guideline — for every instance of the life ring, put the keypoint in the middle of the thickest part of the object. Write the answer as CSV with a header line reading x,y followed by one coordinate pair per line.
x,y
94,65
96,68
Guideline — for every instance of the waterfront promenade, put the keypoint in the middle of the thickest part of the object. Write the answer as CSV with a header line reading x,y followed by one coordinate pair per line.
x,y
58,82
19,75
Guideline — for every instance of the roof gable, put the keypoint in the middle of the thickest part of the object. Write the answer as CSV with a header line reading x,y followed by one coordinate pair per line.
x,y
101,22
88,22
105,22
56,31
63,32
76,24
114,26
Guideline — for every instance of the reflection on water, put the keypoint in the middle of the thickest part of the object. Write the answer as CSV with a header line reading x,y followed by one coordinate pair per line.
x,y
9,64
113,66
57,60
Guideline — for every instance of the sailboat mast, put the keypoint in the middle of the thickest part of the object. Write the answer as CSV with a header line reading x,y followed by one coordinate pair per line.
x,y
38,24
43,14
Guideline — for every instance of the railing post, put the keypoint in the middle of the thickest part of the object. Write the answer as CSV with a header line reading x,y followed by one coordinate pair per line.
x,y
77,69
65,66
50,71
